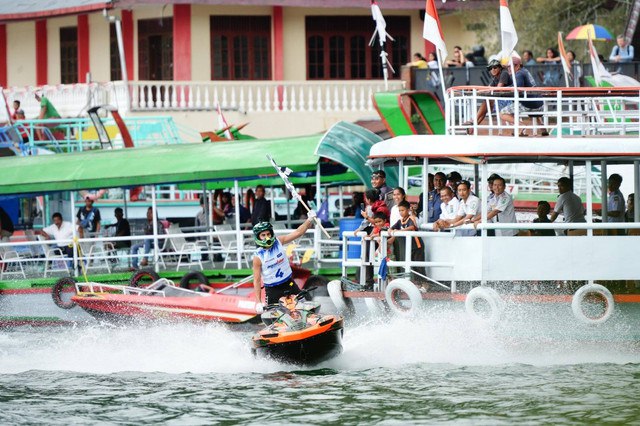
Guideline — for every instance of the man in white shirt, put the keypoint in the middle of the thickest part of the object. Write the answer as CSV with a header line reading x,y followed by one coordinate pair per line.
x,y
568,203
59,231
467,210
500,208
448,209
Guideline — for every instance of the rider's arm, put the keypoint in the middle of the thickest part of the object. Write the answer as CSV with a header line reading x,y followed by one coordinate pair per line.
x,y
257,278
299,232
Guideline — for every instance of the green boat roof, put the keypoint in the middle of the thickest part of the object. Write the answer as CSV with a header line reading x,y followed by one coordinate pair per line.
x,y
155,165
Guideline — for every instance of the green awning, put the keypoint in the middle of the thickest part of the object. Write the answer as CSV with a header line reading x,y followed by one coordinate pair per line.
x,y
349,144
155,165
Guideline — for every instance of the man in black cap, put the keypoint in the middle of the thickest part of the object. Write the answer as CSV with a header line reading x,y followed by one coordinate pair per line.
x,y
379,182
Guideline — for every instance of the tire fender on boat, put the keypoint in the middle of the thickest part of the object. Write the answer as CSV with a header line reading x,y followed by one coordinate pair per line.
x,y
58,288
143,273
580,297
344,306
395,289
491,298
196,276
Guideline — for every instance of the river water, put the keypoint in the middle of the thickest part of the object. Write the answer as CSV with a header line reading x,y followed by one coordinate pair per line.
x,y
412,371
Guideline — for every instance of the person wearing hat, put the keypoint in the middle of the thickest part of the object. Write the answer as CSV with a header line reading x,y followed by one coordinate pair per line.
x,y
499,78
379,182
88,217
523,79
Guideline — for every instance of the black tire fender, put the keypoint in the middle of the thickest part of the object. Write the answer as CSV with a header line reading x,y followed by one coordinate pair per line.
x,y
192,276
141,274
58,288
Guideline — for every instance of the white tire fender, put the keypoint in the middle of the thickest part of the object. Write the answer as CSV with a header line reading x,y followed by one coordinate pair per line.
x,y
491,298
412,296
334,288
580,296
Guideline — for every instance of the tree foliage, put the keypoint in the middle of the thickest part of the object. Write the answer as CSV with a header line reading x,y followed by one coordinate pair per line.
x,y
538,22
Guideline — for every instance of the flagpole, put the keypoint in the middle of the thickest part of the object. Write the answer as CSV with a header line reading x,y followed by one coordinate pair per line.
x,y
444,91
516,99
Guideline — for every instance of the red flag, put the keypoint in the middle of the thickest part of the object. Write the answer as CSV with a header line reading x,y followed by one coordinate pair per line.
x,y
566,64
599,70
432,30
507,30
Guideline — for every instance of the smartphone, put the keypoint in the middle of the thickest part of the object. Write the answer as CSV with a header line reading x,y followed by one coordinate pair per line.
x,y
362,206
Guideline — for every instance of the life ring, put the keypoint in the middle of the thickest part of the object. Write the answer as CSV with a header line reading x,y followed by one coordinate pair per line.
x,y
141,274
58,289
590,291
197,276
403,297
490,298
344,306
375,306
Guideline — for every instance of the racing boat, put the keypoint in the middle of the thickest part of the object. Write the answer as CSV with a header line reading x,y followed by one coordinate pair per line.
x,y
295,333
194,298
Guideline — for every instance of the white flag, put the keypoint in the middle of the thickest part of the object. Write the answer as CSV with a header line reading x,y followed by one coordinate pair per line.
x,y
507,30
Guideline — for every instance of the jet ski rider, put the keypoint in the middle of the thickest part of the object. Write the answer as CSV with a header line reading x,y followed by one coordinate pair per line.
x,y
270,262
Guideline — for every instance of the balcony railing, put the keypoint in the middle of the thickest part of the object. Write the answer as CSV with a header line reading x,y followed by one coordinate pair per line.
x,y
245,96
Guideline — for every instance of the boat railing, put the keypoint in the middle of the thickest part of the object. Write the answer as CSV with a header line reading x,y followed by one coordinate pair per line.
x,y
563,111
78,134
170,250
93,287
370,252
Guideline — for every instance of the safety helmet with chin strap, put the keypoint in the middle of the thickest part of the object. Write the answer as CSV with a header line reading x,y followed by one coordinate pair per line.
x,y
258,229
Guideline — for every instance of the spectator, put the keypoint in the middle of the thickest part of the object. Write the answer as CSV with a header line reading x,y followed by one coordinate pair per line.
x,y
226,209
543,217
615,203
373,205
523,78
628,215
245,214
18,113
499,78
419,61
6,226
88,218
356,207
468,209
449,209
453,179
574,65
47,111
261,207
60,230
407,222
379,182
458,58
399,195
433,198
500,208
432,60
551,76
380,223
622,52
527,58
434,76
201,217
568,203
147,243
122,229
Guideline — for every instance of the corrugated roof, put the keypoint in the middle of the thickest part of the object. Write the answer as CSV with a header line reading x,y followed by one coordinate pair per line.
x,y
15,10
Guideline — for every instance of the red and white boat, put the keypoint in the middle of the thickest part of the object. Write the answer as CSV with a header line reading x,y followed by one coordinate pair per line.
x,y
163,299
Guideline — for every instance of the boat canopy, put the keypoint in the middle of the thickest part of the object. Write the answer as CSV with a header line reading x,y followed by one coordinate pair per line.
x,y
155,165
474,149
